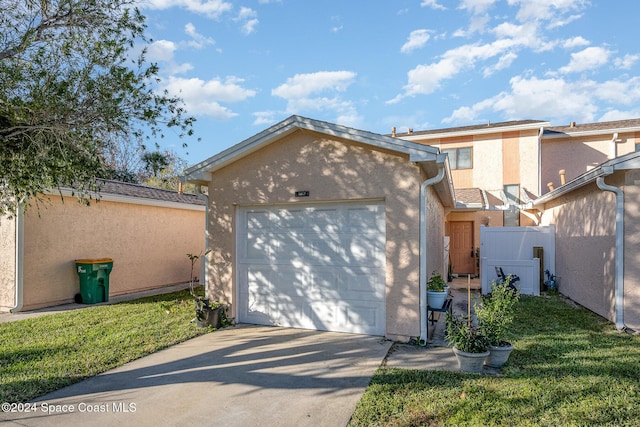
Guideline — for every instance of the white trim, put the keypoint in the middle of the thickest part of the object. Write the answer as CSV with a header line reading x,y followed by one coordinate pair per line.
x,y
477,131
561,134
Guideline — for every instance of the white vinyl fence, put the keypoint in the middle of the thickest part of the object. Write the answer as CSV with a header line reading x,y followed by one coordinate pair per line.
x,y
512,249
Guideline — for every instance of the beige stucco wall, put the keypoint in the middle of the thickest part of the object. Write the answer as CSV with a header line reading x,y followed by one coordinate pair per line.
x,y
7,263
148,245
632,250
331,170
578,155
585,245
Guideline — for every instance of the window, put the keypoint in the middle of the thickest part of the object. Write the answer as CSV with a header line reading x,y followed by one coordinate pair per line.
x,y
637,147
511,218
460,158
512,194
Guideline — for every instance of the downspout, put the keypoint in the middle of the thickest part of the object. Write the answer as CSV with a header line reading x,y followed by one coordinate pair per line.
x,y
424,328
540,134
619,262
19,267
204,265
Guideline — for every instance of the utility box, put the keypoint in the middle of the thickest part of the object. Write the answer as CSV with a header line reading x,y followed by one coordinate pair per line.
x,y
94,279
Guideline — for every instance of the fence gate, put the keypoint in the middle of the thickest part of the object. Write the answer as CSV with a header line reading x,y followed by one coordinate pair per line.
x,y
513,249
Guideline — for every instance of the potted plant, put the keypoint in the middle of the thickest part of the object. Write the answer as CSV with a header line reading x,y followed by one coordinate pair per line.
x,y
437,291
469,343
208,313
495,315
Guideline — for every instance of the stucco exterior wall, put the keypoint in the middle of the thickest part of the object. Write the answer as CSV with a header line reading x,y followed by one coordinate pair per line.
x,y
7,263
148,245
578,155
331,170
585,246
632,250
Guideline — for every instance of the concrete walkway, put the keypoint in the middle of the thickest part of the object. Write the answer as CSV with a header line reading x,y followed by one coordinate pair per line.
x,y
239,376
244,375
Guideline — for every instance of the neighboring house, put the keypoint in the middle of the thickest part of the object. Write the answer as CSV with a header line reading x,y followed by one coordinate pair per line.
x,y
322,226
597,222
146,231
495,168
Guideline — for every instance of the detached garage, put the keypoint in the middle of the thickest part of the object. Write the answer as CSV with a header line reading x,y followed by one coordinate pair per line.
x,y
320,226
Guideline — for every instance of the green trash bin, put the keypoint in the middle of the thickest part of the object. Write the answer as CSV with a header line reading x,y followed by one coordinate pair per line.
x,y
94,279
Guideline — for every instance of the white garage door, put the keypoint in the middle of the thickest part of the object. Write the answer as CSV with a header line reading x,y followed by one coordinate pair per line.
x,y
313,266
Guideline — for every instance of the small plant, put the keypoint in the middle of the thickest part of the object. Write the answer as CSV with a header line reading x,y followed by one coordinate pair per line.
x,y
208,313
496,312
436,283
465,336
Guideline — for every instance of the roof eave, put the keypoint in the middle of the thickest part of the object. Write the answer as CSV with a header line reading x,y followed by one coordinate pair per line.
x,y
480,131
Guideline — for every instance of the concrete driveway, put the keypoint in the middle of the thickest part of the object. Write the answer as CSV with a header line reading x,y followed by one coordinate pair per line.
x,y
241,376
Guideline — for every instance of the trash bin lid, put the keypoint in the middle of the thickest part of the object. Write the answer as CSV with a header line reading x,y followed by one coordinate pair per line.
x,y
93,261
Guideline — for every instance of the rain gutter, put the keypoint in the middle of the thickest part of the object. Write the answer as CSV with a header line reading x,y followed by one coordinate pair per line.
x,y
19,266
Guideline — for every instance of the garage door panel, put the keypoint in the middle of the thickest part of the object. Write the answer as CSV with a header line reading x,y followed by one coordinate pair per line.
x,y
318,267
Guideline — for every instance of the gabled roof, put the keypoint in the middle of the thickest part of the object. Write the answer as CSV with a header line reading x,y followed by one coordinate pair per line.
x,y
509,126
126,192
577,129
627,162
428,157
200,172
135,190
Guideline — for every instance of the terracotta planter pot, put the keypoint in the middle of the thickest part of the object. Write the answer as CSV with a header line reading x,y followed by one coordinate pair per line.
x,y
498,355
470,362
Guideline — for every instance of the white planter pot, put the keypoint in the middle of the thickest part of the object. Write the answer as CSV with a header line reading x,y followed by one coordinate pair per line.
x,y
436,299
498,355
470,362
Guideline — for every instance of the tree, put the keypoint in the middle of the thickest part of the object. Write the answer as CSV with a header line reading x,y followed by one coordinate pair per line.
x,y
71,86
155,161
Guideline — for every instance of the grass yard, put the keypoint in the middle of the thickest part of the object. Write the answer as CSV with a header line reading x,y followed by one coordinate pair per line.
x,y
39,355
569,368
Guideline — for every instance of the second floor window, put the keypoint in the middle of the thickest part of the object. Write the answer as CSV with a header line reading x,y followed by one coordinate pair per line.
x,y
460,158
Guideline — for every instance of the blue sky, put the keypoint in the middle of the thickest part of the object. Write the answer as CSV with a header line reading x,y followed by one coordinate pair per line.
x,y
241,66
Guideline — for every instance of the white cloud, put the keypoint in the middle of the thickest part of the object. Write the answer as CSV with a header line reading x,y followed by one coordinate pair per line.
x,y
556,99
433,4
308,92
303,85
578,41
198,40
163,51
203,97
263,118
505,61
627,61
210,8
249,19
587,59
476,7
547,10
619,115
416,40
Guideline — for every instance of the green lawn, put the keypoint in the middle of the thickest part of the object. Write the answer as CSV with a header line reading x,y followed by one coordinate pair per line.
x,y
39,355
569,368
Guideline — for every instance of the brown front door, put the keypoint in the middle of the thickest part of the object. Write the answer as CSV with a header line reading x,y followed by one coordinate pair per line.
x,y
461,247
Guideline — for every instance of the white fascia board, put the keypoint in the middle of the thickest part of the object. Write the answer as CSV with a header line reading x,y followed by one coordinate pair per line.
x,y
479,131
290,125
118,198
589,132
